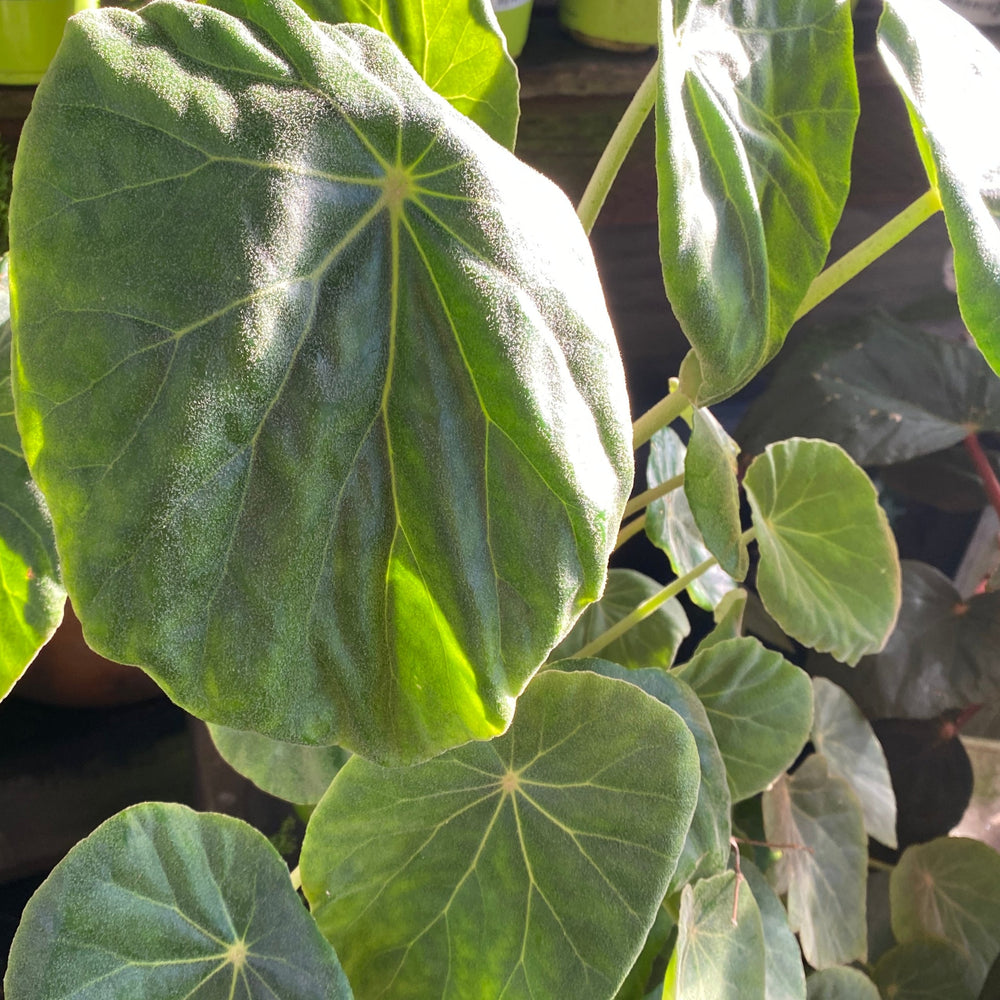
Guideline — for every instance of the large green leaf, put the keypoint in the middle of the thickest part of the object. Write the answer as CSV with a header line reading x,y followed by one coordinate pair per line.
x,y
823,865
530,866
755,122
840,984
784,975
671,526
846,739
760,708
713,492
889,393
828,571
288,771
340,372
161,903
924,969
950,888
950,76
456,47
31,592
720,944
651,643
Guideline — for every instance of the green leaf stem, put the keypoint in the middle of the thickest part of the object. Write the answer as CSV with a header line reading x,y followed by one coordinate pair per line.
x,y
341,368
455,45
950,76
161,902
828,571
529,866
755,122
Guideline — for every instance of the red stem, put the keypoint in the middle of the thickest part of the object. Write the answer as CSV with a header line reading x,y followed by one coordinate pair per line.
x,y
990,482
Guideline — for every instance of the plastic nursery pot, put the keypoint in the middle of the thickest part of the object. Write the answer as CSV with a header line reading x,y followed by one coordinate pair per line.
x,y
30,33
620,25
514,17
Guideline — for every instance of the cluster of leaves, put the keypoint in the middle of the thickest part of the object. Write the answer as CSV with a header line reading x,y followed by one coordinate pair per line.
x,y
321,421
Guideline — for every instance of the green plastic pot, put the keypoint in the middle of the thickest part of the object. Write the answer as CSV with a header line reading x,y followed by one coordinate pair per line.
x,y
624,25
514,17
30,32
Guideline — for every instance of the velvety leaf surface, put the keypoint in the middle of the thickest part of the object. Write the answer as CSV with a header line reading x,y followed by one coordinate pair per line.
x,y
728,615
713,492
706,847
657,949
288,771
889,393
31,592
950,888
846,739
755,122
715,956
760,708
341,370
950,76
940,656
828,571
784,976
161,902
671,526
529,866
925,969
825,876
840,984
455,46
651,643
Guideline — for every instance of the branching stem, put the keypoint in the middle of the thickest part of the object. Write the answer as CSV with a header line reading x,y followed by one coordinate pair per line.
x,y
643,500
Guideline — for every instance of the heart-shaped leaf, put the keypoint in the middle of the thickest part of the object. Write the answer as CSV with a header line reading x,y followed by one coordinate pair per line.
x,y
457,49
720,944
671,526
651,643
824,862
31,592
950,76
783,972
924,969
161,902
532,865
846,739
760,708
888,393
840,984
340,367
828,571
713,493
755,122
950,888
287,771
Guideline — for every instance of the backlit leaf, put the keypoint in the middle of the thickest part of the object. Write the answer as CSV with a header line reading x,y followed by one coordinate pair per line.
x,y
828,571
455,46
529,866
760,708
341,372
31,591
824,865
161,902
950,76
755,122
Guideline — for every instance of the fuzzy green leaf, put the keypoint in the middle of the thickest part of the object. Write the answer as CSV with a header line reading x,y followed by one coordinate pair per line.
x,y
783,972
755,122
840,984
823,869
950,76
160,903
760,708
532,865
340,369
924,969
828,570
456,47
31,592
